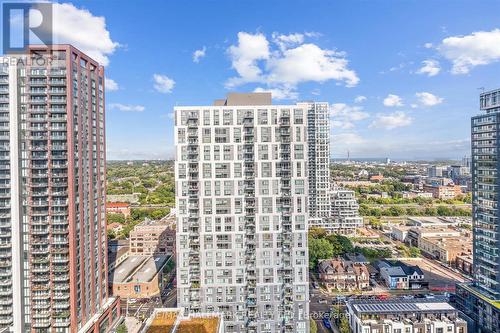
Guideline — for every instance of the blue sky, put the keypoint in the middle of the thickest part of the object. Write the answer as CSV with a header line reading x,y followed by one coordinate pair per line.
x,y
402,76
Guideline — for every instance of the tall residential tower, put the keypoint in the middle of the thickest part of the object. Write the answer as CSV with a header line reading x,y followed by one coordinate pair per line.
x,y
53,262
481,300
241,183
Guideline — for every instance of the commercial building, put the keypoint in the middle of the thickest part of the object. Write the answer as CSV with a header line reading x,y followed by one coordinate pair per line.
x,y
152,237
464,263
139,276
445,249
437,171
339,274
415,234
398,315
443,192
53,253
118,208
481,299
242,220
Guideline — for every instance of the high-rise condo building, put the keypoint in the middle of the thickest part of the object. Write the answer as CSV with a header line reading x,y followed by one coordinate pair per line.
x,y
330,207
53,265
481,299
241,182
318,136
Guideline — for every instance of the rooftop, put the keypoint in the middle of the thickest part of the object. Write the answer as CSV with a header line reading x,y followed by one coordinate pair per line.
x,y
398,306
198,325
171,320
237,99
139,268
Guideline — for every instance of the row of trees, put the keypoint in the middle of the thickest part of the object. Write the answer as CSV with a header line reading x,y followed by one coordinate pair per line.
x,y
397,198
365,210
137,215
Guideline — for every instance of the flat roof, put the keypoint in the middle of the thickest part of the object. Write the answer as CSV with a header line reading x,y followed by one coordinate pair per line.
x,y
152,266
398,305
198,325
139,268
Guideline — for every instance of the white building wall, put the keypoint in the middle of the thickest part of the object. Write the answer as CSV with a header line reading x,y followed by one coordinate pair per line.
x,y
242,220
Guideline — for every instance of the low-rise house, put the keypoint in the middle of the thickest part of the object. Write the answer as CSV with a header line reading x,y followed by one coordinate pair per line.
x,y
398,275
118,208
339,274
376,178
115,227
403,315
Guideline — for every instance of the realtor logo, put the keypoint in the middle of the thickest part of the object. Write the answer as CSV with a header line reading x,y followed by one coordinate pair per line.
x,y
25,23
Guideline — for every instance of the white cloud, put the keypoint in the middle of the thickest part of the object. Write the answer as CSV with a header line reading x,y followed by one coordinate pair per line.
x,y
392,120
428,45
110,84
292,63
466,52
428,99
83,30
308,62
430,67
286,41
280,92
360,99
163,83
347,139
351,112
343,115
126,107
393,100
198,54
244,57
341,124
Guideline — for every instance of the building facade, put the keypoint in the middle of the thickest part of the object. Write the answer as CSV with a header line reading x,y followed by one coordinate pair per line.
x,y
343,217
397,315
53,254
242,220
318,136
152,237
481,299
118,208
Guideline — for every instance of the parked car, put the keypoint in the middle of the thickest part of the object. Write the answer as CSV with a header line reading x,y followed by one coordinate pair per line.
x,y
327,324
322,301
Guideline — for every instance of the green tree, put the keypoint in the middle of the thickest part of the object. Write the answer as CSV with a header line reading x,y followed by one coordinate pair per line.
x,y
344,325
317,232
122,328
319,249
313,326
115,218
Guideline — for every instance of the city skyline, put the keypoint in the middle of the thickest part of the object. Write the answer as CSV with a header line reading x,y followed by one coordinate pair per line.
x,y
422,79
